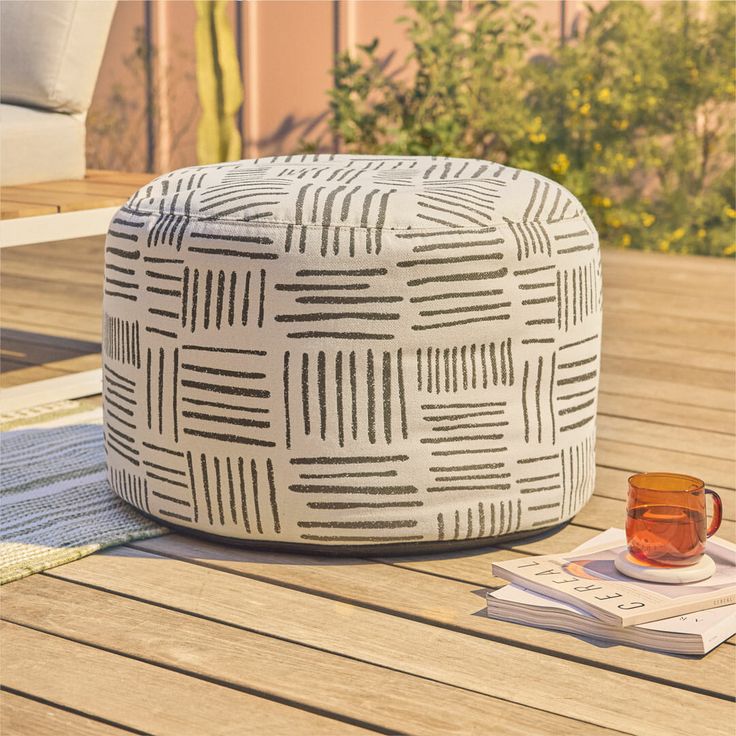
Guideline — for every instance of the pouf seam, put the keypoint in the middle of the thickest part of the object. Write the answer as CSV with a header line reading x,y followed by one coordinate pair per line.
x,y
318,226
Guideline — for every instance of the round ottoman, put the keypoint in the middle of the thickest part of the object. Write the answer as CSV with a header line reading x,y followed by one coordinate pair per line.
x,y
352,353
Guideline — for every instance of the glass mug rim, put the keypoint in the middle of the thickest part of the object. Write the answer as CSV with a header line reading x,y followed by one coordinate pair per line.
x,y
638,481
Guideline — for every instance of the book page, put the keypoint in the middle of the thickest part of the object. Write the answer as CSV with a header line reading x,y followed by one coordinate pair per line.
x,y
697,624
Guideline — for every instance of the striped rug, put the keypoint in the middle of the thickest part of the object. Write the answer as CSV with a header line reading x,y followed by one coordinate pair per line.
x,y
55,503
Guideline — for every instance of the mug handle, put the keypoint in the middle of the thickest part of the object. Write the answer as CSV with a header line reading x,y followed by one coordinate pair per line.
x,y
715,522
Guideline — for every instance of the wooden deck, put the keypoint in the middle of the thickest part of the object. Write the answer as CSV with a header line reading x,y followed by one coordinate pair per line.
x,y
178,636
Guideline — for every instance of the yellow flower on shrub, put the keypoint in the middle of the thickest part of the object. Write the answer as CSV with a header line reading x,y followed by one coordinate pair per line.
x,y
647,219
534,129
584,109
730,250
597,146
702,233
604,95
678,234
561,164
729,212
625,240
664,245
621,124
601,201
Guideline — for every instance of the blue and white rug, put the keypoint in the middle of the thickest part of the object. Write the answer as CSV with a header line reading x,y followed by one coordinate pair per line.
x,y
55,502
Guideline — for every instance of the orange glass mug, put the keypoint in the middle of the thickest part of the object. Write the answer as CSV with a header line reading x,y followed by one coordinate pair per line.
x,y
666,518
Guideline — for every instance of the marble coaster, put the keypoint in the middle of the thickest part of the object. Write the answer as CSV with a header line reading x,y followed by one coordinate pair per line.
x,y
632,568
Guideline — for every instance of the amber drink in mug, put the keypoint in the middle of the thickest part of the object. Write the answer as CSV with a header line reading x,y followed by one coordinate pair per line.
x,y
666,522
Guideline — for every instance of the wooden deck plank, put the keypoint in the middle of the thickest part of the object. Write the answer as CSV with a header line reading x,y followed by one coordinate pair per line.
x,y
415,623
68,262
671,265
686,282
659,329
624,346
391,700
14,374
645,387
666,412
614,454
712,306
24,291
22,716
58,324
139,695
684,438
687,374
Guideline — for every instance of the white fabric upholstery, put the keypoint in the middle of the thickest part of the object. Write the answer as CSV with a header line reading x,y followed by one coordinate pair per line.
x,y
36,145
51,50
341,350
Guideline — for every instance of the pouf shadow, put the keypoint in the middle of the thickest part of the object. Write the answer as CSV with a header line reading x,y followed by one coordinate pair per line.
x,y
352,355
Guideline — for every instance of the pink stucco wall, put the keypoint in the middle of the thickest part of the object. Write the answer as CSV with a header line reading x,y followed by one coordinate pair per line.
x,y
287,51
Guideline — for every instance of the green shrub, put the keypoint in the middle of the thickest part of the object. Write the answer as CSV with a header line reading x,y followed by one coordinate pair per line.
x,y
635,116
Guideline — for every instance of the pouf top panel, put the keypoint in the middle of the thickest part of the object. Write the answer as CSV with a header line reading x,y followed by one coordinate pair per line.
x,y
388,192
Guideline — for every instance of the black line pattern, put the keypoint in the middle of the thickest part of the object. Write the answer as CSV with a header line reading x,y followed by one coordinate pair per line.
x,y
167,479
234,490
324,401
482,519
576,387
122,261
349,350
213,299
458,368
121,340
223,400
578,295
346,488
577,467
130,487
538,386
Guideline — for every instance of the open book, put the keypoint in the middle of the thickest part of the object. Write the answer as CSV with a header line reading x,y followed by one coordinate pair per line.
x,y
588,580
692,634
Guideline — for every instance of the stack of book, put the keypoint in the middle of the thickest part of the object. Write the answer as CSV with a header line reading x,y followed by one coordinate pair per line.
x,y
582,593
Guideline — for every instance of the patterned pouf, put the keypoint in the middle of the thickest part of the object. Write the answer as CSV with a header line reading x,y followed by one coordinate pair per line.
x,y
352,353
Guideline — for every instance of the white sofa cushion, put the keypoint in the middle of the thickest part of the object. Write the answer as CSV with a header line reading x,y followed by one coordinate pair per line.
x,y
51,50
341,351
36,145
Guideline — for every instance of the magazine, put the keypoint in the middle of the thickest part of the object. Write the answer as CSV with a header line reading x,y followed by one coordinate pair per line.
x,y
589,580
690,634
